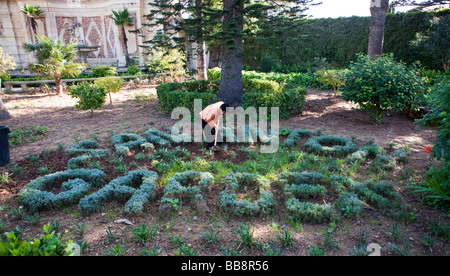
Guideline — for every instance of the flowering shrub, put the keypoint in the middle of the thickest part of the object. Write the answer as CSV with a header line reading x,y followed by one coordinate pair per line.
x,y
381,84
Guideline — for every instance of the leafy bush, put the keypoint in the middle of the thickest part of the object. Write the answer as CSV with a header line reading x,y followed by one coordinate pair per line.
x,y
349,205
75,183
90,96
296,135
330,145
189,184
48,244
230,202
334,78
134,70
110,84
377,193
260,85
103,71
381,84
363,153
122,189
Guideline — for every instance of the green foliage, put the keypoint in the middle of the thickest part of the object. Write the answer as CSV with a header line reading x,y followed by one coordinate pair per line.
x,y
87,147
143,234
309,212
381,194
381,84
260,86
75,184
171,62
161,138
30,134
330,145
48,244
103,71
349,205
90,96
245,234
231,202
190,184
110,84
133,70
334,78
296,135
123,189
124,142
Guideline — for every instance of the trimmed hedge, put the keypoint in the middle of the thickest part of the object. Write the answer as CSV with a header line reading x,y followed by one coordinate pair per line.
x,y
124,142
87,146
257,93
229,199
296,135
75,184
330,145
135,188
190,184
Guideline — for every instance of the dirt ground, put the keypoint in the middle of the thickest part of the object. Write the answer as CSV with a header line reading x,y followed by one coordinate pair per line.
x,y
136,109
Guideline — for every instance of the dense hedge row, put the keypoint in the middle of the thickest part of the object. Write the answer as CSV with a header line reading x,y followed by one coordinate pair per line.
x,y
338,40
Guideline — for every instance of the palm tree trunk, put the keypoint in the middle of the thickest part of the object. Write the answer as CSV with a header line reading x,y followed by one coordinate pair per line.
x,y
125,47
230,89
378,9
58,84
4,114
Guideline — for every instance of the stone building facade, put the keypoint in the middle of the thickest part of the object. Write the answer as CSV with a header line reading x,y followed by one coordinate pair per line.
x,y
58,16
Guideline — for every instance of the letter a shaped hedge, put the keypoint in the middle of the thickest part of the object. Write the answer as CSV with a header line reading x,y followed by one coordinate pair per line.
x,y
75,184
122,189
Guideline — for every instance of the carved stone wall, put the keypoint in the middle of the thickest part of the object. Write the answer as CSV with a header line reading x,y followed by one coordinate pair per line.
x,y
59,15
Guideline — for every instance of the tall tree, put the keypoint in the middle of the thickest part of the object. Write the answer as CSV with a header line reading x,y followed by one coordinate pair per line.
x,y
122,19
54,58
422,4
6,63
32,12
378,9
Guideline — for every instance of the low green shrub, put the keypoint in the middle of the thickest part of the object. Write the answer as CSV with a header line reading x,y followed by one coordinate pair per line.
x,y
363,153
87,146
76,162
340,184
158,137
190,184
388,162
124,142
90,96
330,145
309,212
295,135
381,194
231,202
75,184
349,205
135,188
381,84
48,244
333,77
103,71
134,70
260,86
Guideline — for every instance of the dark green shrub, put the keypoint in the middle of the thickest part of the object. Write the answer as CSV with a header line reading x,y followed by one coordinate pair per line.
x,y
48,244
134,70
90,96
103,71
381,84
260,86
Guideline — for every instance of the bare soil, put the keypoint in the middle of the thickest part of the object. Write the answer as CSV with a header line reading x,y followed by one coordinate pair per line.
x,y
324,112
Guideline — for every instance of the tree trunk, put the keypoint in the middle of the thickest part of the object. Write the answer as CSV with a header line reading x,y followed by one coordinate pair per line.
x,y
4,114
34,28
214,56
230,90
125,47
58,84
378,9
201,55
